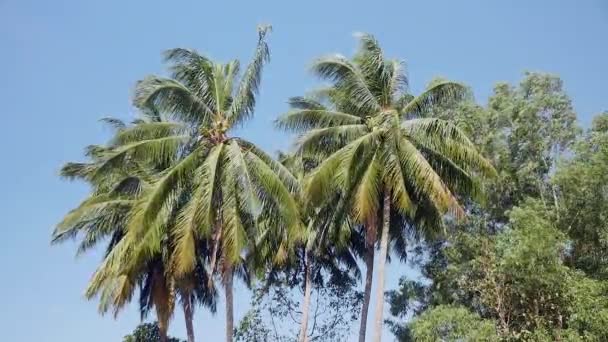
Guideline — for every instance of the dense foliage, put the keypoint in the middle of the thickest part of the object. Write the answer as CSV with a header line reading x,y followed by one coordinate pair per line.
x,y
531,260
147,332
502,207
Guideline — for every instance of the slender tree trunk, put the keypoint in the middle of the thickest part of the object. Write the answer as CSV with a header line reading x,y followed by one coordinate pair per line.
x,y
303,337
386,220
188,316
369,276
229,305
162,330
555,200
162,297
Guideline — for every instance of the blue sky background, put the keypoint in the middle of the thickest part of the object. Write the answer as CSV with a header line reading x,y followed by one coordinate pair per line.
x,y
64,64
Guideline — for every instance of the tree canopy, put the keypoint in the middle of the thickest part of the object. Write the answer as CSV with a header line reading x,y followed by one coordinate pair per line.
x,y
503,207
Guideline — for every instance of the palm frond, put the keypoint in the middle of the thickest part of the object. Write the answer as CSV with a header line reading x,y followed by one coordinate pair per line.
x,y
73,171
199,215
324,141
114,123
395,181
96,215
306,119
272,190
303,102
148,207
444,138
333,172
461,155
346,77
423,179
367,195
398,83
437,129
146,131
458,179
237,166
234,236
441,93
159,151
244,100
378,74
108,270
195,72
173,98
279,169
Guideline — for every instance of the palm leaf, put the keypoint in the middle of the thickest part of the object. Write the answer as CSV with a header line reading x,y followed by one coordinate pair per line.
x,y
172,97
423,178
159,151
243,104
349,79
175,178
306,119
440,93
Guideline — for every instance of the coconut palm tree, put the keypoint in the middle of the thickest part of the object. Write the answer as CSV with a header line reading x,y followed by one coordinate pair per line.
x,y
378,146
225,185
104,214
325,245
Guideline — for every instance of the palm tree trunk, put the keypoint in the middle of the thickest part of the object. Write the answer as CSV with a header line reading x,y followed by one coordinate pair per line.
x,y
188,316
303,337
386,220
369,275
163,302
162,330
229,305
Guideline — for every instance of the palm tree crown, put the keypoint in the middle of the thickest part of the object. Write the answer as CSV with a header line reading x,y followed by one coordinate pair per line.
x,y
224,183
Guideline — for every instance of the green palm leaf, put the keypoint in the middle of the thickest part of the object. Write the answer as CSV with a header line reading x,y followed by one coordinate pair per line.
x,y
242,106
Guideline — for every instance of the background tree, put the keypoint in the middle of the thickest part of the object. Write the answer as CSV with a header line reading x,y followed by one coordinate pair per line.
x,y
583,204
446,323
147,332
513,262
328,245
276,315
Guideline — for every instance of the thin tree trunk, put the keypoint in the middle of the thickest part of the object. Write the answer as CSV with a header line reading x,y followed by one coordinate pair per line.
x,y
229,305
162,297
188,316
162,330
555,200
303,337
386,220
369,275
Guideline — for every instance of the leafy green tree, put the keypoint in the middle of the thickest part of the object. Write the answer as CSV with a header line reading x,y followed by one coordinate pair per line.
x,y
276,316
524,131
147,332
583,207
491,262
383,151
540,124
518,281
450,323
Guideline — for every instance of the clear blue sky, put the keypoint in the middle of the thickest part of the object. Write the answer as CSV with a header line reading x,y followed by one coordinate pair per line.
x,y
64,64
